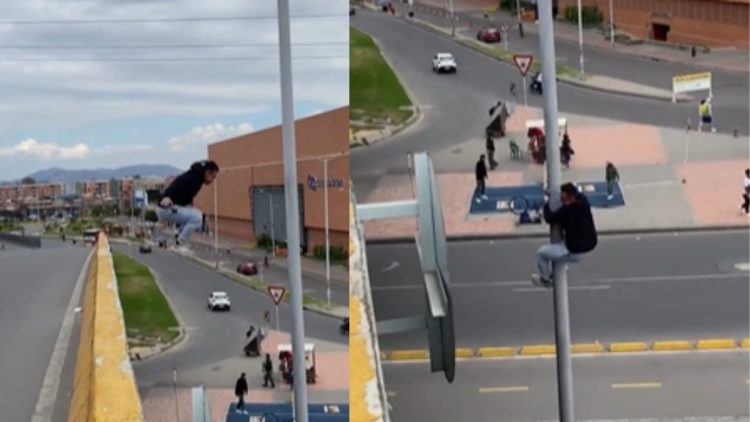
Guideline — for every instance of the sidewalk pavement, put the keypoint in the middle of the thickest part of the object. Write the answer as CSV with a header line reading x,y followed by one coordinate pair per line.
x,y
310,266
332,385
651,165
471,12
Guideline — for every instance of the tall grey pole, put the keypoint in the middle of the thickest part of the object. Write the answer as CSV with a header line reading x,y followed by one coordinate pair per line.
x,y
328,242
612,23
292,213
580,39
518,9
453,19
216,222
273,231
562,316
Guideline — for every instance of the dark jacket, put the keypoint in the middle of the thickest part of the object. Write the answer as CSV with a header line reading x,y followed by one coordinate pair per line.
x,y
577,224
611,173
186,186
490,144
481,170
240,388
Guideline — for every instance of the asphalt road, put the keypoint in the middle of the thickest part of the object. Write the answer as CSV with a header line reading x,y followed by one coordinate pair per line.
x,y
455,106
213,336
35,289
659,286
699,386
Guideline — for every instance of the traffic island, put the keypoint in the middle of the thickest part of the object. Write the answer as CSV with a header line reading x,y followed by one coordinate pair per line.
x,y
379,104
150,322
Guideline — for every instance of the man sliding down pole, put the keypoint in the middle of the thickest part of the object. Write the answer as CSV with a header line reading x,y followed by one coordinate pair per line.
x,y
176,203
579,233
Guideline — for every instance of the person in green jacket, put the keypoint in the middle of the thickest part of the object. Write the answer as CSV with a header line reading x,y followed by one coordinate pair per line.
x,y
612,177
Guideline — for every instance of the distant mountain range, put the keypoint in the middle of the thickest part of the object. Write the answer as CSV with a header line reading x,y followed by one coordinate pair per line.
x,y
56,174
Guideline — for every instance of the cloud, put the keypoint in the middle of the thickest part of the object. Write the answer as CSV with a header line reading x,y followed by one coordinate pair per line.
x,y
45,151
68,93
201,136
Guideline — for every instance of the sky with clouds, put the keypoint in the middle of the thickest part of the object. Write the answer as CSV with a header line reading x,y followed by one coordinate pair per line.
x,y
107,94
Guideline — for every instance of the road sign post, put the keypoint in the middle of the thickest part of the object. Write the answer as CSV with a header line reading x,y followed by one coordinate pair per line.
x,y
688,124
523,63
276,293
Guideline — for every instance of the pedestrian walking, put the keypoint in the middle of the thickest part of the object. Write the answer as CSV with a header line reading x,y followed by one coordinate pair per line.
x,y
490,145
612,176
705,113
746,192
176,203
480,171
566,151
579,233
240,389
268,372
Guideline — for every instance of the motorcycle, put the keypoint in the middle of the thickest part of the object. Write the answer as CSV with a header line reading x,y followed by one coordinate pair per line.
x,y
344,328
536,83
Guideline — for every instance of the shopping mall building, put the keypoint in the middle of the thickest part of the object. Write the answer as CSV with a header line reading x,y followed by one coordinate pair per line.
x,y
250,187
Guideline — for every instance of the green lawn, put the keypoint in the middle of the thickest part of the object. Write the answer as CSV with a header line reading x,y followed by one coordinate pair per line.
x,y
375,91
148,318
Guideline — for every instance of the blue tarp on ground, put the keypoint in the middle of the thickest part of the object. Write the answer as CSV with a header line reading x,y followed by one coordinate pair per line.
x,y
283,412
499,198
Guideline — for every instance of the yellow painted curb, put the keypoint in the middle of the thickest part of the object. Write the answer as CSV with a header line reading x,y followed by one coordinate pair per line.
x,y
587,348
409,355
633,346
671,345
464,353
494,352
716,344
539,349
383,356
745,343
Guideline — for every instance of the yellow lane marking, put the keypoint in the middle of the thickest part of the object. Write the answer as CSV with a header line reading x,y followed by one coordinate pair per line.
x,y
516,389
637,385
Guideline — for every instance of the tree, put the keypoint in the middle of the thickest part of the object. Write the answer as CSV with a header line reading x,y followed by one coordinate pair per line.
x,y
28,181
151,216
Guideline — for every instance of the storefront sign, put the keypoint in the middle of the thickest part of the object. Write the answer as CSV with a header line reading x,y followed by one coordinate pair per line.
x,y
315,183
691,82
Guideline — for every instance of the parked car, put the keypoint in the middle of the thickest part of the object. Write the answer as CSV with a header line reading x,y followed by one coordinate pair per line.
x,y
247,268
444,62
489,34
219,300
144,248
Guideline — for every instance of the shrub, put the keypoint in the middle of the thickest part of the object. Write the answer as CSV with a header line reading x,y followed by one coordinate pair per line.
x,y
590,15
337,253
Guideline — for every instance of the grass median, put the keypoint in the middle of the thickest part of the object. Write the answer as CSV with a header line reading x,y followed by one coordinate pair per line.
x,y
148,318
375,92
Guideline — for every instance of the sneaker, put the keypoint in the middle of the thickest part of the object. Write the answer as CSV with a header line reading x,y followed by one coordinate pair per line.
x,y
610,197
485,197
479,201
538,280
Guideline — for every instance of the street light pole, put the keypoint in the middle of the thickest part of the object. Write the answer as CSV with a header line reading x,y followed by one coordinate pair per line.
x,y
453,18
580,39
292,214
273,232
216,222
328,242
612,23
562,315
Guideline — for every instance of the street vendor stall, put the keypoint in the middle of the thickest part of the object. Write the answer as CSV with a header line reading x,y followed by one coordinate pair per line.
x,y
286,359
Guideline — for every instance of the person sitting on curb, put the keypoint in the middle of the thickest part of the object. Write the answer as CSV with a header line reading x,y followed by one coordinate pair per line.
x,y
578,230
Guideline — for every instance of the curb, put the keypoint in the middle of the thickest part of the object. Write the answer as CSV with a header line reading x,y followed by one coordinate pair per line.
x,y
235,278
469,43
416,107
545,235
547,350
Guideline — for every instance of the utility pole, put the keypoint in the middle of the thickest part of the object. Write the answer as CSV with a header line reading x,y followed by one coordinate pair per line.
x,y
216,222
562,314
453,18
612,23
292,214
328,241
580,40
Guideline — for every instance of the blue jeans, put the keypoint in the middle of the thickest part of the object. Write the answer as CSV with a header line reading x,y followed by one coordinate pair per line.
x,y
548,254
189,219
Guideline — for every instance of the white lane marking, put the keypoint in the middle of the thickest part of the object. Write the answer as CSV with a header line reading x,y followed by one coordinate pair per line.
x,y
514,389
45,404
611,280
391,267
632,385
544,289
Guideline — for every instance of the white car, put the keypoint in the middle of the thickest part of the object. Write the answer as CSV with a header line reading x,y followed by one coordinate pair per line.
x,y
444,62
219,300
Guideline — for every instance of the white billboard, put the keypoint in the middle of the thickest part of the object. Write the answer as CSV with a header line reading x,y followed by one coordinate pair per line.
x,y
691,82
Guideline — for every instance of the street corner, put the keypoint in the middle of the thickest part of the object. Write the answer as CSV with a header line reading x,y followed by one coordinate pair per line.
x,y
714,191
622,144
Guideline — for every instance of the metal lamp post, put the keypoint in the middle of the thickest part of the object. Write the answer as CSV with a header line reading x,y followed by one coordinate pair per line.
x,y
328,242
580,40
611,23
